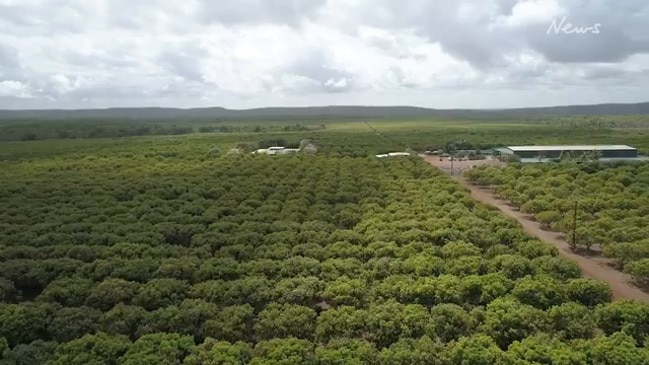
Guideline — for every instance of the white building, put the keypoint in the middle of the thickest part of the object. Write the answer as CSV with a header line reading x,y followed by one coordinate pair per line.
x,y
277,151
393,154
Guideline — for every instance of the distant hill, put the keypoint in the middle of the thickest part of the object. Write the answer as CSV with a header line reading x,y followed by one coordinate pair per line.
x,y
323,112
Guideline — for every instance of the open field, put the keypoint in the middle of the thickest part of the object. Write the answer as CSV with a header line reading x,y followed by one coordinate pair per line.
x,y
169,249
458,167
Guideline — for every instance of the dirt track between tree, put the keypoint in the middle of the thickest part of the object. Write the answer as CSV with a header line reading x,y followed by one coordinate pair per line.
x,y
592,267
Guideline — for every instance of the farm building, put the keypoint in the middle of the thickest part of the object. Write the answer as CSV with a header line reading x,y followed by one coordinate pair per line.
x,y
277,151
394,154
461,152
540,153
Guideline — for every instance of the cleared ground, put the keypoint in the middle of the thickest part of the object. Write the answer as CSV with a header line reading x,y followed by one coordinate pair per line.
x,y
458,166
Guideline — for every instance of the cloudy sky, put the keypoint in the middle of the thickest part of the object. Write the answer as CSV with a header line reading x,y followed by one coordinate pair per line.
x,y
254,53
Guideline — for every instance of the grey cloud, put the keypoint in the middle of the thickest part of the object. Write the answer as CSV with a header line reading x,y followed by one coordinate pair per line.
x,y
505,6
17,14
315,69
290,12
467,38
315,64
623,31
10,65
598,73
608,46
114,92
31,18
338,85
8,58
526,74
609,76
99,60
467,45
122,51
183,62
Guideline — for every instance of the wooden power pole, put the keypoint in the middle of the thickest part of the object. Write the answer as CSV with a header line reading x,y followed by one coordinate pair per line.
x,y
452,164
574,227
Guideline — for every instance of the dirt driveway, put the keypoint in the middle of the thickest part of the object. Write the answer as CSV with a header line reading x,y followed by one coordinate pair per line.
x,y
592,267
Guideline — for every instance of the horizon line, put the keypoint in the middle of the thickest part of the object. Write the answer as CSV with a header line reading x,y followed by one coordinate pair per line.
x,y
323,106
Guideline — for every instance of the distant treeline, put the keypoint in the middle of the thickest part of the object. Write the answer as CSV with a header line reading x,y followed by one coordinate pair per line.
x,y
596,121
280,142
42,130
31,131
326,112
259,129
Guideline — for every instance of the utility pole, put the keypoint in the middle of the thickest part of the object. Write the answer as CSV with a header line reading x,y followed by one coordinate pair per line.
x,y
574,227
451,163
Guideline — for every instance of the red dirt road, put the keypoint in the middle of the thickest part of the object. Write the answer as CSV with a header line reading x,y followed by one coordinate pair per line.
x,y
592,267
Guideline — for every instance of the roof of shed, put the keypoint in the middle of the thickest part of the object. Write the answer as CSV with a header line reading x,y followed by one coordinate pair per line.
x,y
570,148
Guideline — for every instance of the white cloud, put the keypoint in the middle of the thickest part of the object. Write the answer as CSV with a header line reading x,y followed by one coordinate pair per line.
x,y
337,85
62,84
531,12
14,89
73,53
